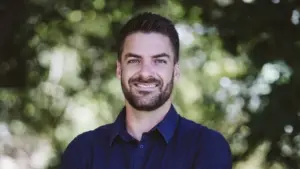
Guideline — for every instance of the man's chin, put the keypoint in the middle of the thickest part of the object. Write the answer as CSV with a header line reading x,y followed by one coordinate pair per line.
x,y
140,94
144,103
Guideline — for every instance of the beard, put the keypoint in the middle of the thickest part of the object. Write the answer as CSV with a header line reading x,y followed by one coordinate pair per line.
x,y
144,100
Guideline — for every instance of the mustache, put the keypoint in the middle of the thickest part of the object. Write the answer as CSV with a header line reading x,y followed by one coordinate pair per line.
x,y
141,79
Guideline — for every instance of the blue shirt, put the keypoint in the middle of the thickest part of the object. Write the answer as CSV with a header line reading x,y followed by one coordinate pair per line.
x,y
175,143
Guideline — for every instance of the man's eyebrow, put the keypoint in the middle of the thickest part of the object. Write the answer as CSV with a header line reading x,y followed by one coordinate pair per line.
x,y
132,55
127,55
161,55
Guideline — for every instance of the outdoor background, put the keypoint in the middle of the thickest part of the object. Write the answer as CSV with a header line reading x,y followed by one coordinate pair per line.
x,y
240,62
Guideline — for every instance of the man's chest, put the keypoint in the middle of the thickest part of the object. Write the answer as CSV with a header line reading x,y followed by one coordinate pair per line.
x,y
144,156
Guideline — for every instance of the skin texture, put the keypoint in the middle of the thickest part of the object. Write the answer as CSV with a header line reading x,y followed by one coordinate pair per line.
x,y
147,59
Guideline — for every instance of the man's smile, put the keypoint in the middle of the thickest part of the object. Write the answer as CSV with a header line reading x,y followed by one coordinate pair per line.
x,y
145,86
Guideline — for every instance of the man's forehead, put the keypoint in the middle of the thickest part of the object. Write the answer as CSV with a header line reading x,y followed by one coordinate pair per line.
x,y
148,44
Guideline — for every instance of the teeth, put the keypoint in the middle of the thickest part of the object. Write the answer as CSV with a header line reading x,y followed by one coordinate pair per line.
x,y
146,85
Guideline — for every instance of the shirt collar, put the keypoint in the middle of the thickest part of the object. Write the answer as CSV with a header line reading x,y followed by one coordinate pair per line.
x,y
166,127
118,126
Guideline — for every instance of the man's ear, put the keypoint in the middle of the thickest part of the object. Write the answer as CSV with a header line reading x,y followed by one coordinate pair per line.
x,y
176,71
118,70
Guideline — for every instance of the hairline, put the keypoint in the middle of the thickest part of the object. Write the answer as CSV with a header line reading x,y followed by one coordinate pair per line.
x,y
121,47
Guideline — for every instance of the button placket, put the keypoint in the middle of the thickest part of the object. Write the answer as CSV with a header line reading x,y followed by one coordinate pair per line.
x,y
139,154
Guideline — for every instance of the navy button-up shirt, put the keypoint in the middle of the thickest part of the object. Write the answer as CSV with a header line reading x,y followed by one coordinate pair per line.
x,y
174,143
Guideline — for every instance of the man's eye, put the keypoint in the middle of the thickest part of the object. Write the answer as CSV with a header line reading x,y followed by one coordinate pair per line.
x,y
160,61
133,61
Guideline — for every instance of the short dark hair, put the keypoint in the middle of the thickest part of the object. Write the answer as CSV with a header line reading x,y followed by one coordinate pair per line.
x,y
147,22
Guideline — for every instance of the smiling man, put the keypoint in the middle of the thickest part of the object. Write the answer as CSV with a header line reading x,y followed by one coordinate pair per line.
x,y
148,133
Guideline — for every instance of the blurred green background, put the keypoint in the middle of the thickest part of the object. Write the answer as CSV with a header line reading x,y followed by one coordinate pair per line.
x,y
240,67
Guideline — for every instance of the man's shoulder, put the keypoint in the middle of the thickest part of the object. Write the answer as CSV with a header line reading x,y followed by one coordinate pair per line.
x,y
203,134
209,143
77,153
92,135
211,147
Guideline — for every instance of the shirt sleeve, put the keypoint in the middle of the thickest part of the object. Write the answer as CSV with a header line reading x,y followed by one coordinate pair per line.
x,y
76,154
214,152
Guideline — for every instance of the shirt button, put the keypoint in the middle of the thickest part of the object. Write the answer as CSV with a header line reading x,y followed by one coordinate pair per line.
x,y
141,146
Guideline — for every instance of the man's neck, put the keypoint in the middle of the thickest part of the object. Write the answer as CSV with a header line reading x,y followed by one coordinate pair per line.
x,y
139,122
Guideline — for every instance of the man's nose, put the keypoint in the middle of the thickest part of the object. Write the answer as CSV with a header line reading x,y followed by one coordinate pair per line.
x,y
146,70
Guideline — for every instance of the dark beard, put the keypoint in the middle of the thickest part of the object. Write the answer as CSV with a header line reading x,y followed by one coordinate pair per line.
x,y
153,103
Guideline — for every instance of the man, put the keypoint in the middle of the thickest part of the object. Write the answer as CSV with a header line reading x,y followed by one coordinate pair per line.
x,y
148,133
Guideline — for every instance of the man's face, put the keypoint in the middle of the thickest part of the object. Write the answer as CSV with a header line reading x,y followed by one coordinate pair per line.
x,y
147,70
